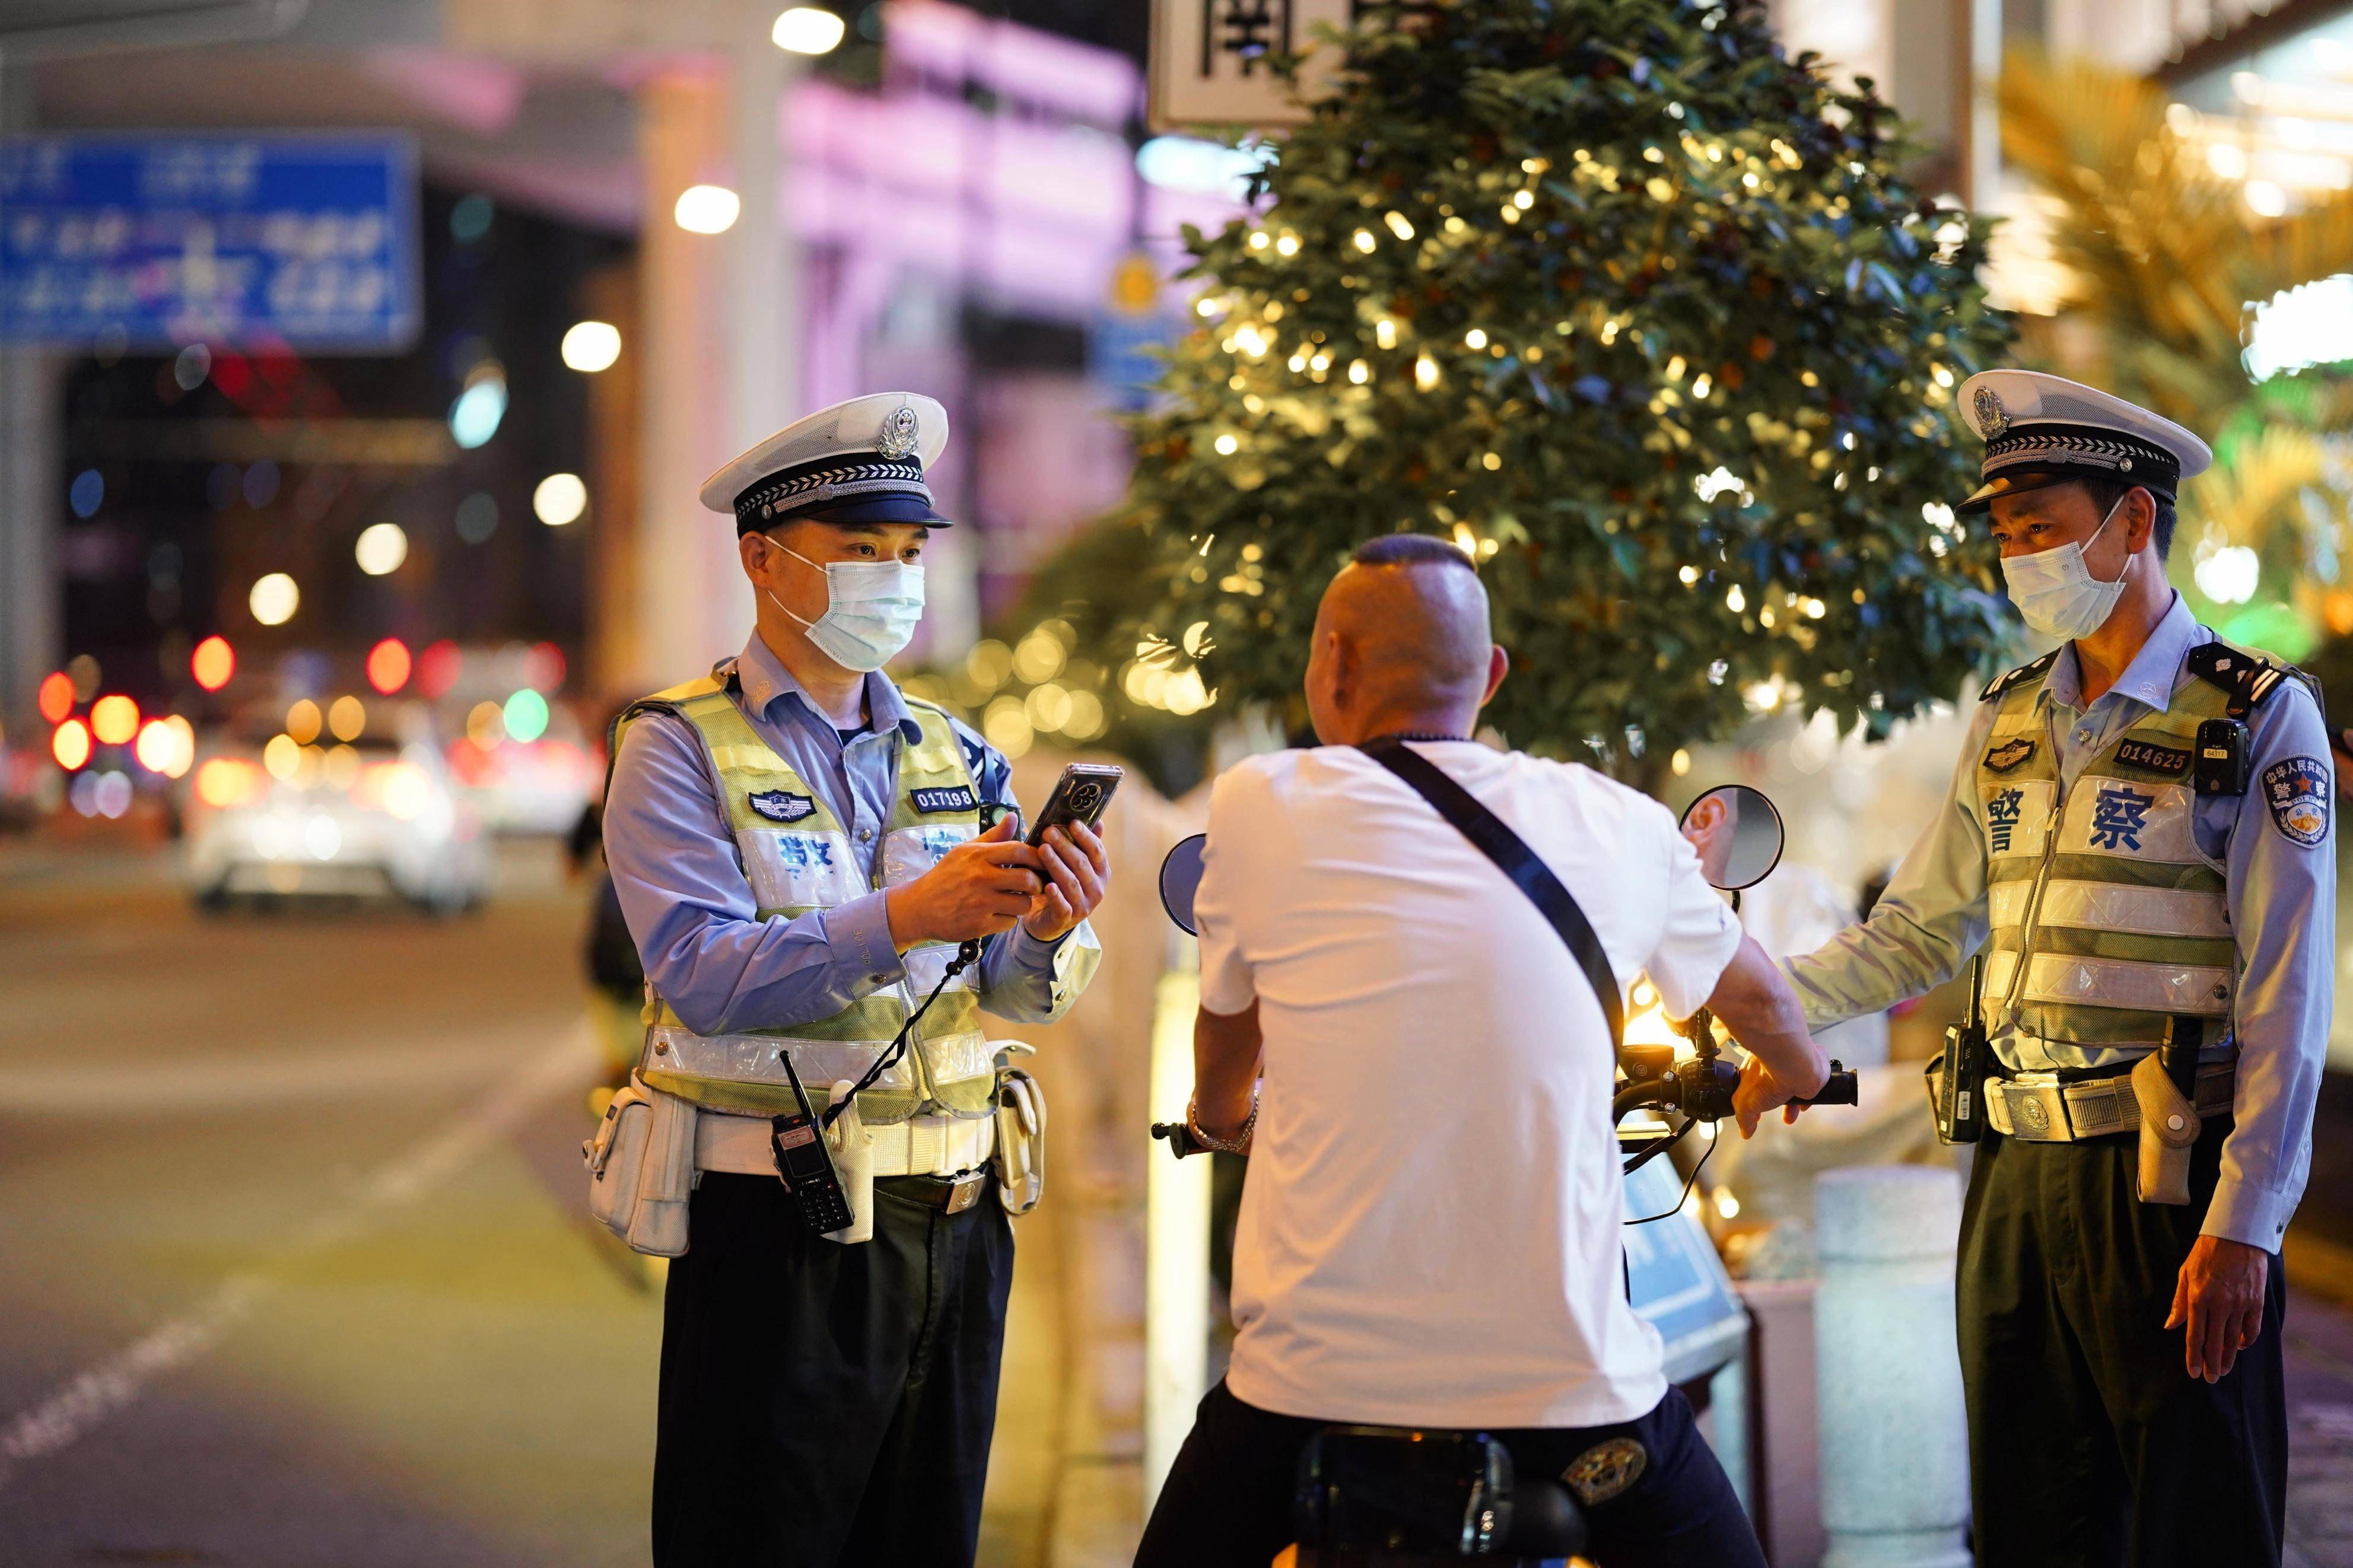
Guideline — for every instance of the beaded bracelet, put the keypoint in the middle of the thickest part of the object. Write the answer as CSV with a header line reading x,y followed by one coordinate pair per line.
x,y
1236,1144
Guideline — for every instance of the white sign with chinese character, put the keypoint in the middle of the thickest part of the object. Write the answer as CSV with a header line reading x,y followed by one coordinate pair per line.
x,y
1211,59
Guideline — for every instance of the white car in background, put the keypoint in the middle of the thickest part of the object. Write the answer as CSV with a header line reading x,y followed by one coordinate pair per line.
x,y
376,815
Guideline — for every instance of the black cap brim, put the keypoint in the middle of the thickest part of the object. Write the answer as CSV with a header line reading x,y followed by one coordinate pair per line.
x,y
1986,494
901,508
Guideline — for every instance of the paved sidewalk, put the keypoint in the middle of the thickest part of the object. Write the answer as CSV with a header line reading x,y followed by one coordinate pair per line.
x,y
2320,1407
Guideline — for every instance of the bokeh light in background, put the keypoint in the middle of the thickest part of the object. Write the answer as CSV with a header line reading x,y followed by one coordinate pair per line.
x,y
486,725
225,781
347,718
167,746
525,716
88,494
56,697
70,744
559,500
592,346
281,757
470,217
115,720
212,663
707,209
474,417
807,30
542,666
103,794
477,518
389,665
303,721
438,668
381,548
274,599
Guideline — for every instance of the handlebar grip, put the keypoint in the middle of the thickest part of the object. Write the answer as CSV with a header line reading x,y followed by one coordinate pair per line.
x,y
1840,1090
1181,1140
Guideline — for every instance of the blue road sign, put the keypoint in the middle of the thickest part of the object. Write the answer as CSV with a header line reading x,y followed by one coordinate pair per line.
x,y
150,242
1125,353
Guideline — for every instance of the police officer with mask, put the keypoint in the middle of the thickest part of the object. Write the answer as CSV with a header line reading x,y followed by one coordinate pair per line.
x,y
800,852
2139,833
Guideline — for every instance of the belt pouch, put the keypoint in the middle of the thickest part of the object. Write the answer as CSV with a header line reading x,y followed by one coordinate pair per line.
x,y
2168,1126
657,1219
1019,1159
853,1162
616,1158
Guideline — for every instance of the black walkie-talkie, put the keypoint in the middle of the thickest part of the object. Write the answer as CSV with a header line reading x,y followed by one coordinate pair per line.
x,y
805,1161
1960,1099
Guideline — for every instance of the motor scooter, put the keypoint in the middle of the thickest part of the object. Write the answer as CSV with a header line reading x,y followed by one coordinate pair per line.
x,y
1386,1497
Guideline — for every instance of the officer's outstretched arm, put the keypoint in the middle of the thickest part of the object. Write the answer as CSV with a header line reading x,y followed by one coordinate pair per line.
x,y
1926,925
1762,1011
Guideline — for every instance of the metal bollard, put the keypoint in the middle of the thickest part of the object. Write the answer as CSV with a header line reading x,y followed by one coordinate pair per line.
x,y
1894,1436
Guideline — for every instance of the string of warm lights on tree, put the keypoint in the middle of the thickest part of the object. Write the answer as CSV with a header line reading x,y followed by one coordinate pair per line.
x,y
1641,315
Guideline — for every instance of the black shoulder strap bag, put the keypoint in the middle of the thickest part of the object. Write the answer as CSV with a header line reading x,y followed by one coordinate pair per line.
x,y
1511,855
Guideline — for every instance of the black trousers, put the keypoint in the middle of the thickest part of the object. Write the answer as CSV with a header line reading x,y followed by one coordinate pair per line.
x,y
2090,1444
823,1404
1228,1499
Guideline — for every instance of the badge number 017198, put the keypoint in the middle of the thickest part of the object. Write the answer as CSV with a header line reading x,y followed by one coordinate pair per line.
x,y
2298,790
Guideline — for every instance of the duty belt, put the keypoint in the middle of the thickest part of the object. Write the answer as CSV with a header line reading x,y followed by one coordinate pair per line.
x,y
2039,1109
920,1146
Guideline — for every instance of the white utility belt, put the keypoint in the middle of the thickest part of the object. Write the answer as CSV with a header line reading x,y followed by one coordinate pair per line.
x,y
653,1149
919,1146
2037,1108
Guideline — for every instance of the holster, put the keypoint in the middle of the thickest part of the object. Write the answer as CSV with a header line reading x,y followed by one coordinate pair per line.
x,y
853,1162
2169,1124
1019,1159
641,1169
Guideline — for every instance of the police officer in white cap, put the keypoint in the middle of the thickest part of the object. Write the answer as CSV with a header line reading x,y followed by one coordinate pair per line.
x,y
2138,833
800,851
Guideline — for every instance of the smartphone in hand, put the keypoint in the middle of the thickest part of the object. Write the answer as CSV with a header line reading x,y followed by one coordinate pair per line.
x,y
1080,796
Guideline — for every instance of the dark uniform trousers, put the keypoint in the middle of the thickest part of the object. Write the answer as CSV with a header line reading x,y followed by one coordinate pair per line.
x,y
2089,1442
826,1404
1227,1502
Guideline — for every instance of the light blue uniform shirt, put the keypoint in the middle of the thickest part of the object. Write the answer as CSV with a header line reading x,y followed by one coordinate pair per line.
x,y
2283,904
691,907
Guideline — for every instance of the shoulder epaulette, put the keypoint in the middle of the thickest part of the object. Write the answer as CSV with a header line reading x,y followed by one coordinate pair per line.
x,y
2249,678
2018,676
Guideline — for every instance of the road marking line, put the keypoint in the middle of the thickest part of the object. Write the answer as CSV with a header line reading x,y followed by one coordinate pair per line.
x,y
86,1400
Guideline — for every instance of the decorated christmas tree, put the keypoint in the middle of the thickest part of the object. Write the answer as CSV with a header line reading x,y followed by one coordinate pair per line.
x,y
1638,311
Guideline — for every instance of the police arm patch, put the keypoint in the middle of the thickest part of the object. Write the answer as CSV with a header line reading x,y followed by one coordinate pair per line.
x,y
2009,754
2298,791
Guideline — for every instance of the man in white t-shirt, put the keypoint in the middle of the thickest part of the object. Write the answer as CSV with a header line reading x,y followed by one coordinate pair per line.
x,y
1431,1234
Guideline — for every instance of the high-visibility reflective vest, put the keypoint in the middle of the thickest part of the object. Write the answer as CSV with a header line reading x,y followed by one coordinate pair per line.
x,y
798,859
2108,918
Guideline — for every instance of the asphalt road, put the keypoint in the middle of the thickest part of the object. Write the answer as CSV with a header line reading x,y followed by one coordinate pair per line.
x,y
294,1265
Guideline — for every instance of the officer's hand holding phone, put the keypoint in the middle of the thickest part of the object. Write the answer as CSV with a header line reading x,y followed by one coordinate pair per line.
x,y
1077,872
1070,849
978,888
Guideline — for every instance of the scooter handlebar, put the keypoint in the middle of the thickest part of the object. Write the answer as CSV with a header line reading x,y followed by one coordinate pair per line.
x,y
1181,1140
1840,1090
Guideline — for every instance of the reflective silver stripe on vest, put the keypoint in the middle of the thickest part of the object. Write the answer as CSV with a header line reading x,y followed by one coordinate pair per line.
x,y
752,1059
2111,906
799,870
2070,979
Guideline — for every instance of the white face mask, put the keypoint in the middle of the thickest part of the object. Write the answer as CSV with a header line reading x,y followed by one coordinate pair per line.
x,y
871,608
2055,591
